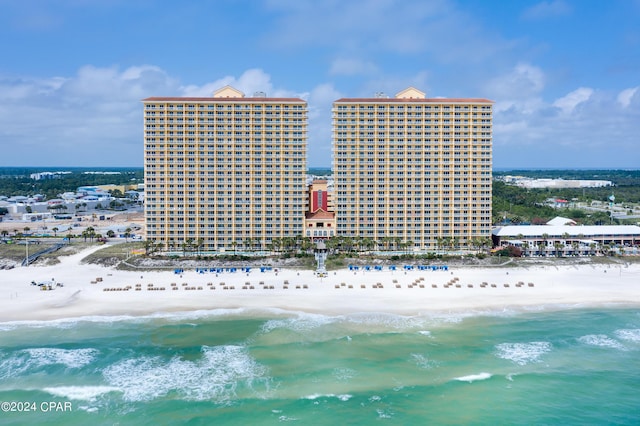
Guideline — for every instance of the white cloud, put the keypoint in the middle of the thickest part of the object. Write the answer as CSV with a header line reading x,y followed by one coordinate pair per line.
x,y
92,118
95,116
251,81
547,9
520,89
523,81
351,66
625,97
581,129
569,102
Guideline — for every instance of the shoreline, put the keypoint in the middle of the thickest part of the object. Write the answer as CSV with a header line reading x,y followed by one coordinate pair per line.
x,y
97,291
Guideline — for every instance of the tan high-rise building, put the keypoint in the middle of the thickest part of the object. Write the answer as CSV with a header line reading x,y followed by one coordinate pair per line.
x,y
413,170
225,172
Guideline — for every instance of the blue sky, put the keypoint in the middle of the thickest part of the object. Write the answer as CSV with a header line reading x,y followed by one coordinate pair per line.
x,y
564,74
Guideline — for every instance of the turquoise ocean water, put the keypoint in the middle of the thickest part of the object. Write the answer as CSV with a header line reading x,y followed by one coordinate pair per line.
x,y
575,366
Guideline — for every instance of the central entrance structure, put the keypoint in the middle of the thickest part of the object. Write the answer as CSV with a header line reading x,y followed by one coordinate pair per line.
x,y
321,256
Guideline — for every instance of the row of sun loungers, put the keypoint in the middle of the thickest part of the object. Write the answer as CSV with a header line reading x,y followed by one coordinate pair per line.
x,y
221,270
419,283
186,286
405,267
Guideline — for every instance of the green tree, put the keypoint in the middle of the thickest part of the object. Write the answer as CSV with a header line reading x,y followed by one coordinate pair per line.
x,y
150,247
199,243
127,234
116,193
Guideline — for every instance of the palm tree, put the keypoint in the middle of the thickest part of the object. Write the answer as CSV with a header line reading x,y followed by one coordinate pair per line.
x,y
55,231
4,233
368,243
332,244
306,245
545,237
127,234
248,243
148,244
91,233
199,243
185,245
575,245
558,246
406,245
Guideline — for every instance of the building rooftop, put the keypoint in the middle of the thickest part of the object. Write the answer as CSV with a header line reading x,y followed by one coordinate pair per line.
x,y
212,99
417,100
554,231
320,214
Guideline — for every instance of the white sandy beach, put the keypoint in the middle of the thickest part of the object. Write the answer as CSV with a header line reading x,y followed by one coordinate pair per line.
x,y
84,294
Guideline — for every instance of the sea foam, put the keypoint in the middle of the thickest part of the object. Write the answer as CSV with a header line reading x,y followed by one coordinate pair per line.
x,y
523,353
32,359
422,361
631,335
83,393
473,377
601,340
342,397
215,376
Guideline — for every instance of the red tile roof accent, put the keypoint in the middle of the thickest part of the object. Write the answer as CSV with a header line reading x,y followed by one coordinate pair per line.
x,y
416,100
319,214
212,99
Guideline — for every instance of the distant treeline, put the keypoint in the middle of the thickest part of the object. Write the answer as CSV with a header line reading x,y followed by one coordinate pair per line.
x,y
16,172
16,181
